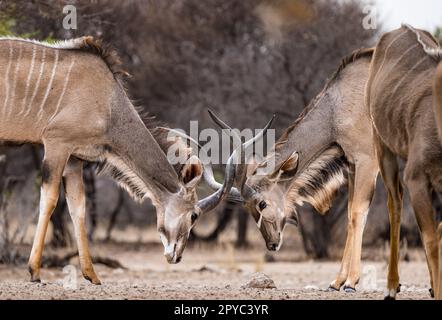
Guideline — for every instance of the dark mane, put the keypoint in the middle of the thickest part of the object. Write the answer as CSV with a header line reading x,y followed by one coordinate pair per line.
x,y
107,53
352,57
434,50
355,55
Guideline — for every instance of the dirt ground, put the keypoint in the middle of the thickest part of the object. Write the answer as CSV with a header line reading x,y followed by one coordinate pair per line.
x,y
210,272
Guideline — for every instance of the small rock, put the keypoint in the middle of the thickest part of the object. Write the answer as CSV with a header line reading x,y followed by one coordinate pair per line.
x,y
311,287
261,281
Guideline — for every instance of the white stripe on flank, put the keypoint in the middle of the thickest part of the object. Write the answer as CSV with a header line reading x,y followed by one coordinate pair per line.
x,y
406,53
14,82
65,85
28,80
385,56
6,79
37,84
49,86
408,73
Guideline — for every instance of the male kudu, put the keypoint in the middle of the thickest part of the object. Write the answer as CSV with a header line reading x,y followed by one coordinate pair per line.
x,y
68,97
399,98
333,134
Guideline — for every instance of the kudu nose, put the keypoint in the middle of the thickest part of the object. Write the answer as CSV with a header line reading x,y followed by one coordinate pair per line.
x,y
169,253
272,246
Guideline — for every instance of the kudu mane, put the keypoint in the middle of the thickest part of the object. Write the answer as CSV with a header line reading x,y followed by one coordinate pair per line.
x,y
319,182
433,52
354,56
115,168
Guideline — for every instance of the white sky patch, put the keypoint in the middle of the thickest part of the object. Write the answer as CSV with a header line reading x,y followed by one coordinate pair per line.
x,y
422,14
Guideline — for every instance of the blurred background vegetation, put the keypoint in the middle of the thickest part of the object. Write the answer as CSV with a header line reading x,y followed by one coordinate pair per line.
x,y
246,59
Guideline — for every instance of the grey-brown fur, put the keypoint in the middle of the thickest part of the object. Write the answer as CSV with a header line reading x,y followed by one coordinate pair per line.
x,y
437,108
69,97
399,98
332,136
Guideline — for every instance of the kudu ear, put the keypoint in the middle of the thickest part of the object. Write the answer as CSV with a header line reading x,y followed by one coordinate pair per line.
x,y
287,169
192,172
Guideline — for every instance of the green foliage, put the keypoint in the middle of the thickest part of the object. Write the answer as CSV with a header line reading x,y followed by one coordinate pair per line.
x,y
8,22
6,25
438,34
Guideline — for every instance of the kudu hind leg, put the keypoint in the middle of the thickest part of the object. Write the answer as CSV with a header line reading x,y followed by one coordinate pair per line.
x,y
389,169
420,198
346,257
76,200
53,164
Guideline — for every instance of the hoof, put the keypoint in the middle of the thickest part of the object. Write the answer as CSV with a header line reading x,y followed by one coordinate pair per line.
x,y
431,292
391,294
93,280
35,277
332,289
349,289
398,288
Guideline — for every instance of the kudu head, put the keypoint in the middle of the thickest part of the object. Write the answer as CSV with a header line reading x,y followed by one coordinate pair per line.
x,y
178,212
264,199
261,193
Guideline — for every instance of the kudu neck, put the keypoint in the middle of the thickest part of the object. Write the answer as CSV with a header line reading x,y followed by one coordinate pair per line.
x,y
309,136
134,143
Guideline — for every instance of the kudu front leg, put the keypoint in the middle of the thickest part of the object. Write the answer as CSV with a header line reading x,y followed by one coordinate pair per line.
x,y
76,200
365,180
336,284
52,168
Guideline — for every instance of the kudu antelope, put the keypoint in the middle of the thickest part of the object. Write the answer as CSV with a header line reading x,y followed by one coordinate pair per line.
x,y
68,96
399,99
332,136
437,107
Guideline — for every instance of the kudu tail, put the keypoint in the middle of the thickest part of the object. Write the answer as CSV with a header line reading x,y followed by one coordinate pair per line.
x,y
437,105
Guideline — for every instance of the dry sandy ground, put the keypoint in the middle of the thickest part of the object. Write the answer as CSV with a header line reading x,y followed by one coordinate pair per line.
x,y
206,273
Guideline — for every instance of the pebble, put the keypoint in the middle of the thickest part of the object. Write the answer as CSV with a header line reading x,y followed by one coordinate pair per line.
x,y
261,281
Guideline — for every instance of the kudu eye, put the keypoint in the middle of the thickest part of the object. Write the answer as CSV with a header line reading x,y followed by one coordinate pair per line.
x,y
262,205
193,217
